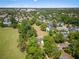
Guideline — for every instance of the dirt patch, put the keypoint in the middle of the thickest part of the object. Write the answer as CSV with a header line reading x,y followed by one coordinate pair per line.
x,y
40,33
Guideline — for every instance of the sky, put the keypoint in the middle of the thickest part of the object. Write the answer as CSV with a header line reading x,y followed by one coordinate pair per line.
x,y
40,3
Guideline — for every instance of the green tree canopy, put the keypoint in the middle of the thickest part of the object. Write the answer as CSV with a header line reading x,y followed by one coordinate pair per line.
x,y
51,48
57,36
33,51
73,48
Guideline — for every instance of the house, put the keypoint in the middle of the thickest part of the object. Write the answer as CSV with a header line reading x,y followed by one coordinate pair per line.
x,y
17,19
6,22
60,24
50,26
62,13
3,16
42,18
63,45
64,30
65,33
20,19
50,15
38,13
73,28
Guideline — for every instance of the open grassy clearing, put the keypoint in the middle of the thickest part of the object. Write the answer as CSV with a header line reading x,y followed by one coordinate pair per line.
x,y
8,44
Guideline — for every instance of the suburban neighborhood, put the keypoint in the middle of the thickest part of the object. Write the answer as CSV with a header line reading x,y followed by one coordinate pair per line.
x,y
39,33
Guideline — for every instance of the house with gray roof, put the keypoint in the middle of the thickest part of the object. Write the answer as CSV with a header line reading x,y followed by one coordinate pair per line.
x,y
6,22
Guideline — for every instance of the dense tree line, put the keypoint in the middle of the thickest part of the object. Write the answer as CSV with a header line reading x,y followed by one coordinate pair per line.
x,y
1,22
51,48
33,50
28,43
57,36
70,20
73,48
14,22
25,32
43,26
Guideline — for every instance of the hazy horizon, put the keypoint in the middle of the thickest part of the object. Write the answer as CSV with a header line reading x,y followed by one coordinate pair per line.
x,y
39,4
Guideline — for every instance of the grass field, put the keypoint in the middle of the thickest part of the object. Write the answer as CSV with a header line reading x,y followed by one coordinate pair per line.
x,y
8,44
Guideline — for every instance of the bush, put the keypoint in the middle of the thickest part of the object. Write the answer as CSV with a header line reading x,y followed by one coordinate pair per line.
x,y
33,51
51,48
13,21
38,23
43,27
14,25
58,37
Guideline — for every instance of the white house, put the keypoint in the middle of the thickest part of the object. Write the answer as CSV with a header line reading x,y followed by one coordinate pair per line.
x,y
7,22
47,29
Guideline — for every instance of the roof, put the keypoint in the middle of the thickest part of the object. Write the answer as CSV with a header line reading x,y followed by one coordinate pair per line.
x,y
2,16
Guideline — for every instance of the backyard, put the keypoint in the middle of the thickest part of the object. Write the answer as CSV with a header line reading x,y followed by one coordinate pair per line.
x,y
8,44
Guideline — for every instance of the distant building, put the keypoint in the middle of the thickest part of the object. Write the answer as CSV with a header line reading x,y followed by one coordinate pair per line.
x,y
29,10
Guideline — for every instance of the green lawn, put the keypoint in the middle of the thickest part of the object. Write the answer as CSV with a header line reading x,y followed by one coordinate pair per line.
x,y
8,44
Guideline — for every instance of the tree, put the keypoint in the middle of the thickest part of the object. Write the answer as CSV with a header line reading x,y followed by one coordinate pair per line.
x,y
77,54
13,21
25,32
57,36
31,33
51,33
1,22
51,48
38,23
73,48
70,20
26,29
43,26
32,21
73,36
33,51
